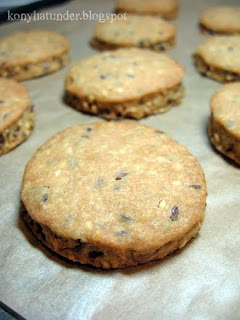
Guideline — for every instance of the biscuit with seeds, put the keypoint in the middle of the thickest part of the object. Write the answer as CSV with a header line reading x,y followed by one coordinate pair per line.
x,y
224,123
167,9
135,31
31,54
128,82
113,194
16,114
221,20
219,58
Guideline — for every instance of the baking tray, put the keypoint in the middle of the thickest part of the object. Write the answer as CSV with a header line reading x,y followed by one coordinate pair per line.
x,y
201,282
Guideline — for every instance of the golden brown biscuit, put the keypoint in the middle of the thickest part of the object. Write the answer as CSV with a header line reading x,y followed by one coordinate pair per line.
x,y
224,124
113,194
125,83
221,19
164,8
16,114
219,58
26,55
135,31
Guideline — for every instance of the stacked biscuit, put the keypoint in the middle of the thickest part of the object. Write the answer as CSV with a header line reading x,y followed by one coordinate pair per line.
x,y
219,58
23,56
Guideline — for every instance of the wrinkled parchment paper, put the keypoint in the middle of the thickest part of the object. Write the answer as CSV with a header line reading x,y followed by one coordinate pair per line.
x,y
202,282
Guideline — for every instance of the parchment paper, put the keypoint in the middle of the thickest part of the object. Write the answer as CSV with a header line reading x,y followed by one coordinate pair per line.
x,y
202,282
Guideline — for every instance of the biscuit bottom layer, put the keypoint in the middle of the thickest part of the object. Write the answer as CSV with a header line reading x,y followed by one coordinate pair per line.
x,y
100,256
150,104
214,72
158,46
223,140
18,132
28,71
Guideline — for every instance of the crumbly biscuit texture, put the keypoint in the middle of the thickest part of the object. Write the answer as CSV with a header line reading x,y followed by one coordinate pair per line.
x,y
164,8
221,19
16,114
224,124
219,58
30,54
113,194
135,31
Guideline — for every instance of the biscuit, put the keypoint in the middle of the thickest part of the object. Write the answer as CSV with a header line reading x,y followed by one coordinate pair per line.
x,y
135,31
125,83
16,114
113,194
219,58
221,20
26,55
224,123
167,9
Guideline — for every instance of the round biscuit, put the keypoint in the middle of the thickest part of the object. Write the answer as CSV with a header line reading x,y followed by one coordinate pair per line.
x,y
221,20
30,54
16,114
218,57
113,194
224,123
135,31
128,82
164,8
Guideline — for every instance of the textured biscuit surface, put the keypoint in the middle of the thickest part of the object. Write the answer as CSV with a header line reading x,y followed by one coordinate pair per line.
x,y
113,194
219,58
222,20
30,54
16,114
135,31
224,124
114,82
164,8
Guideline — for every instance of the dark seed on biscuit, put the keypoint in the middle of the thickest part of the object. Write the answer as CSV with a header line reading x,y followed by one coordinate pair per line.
x,y
85,136
98,183
230,123
130,75
44,197
46,64
95,254
89,129
195,186
230,48
126,217
2,101
31,108
122,233
102,76
39,228
43,236
77,248
141,44
174,213
16,133
2,139
73,163
121,175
